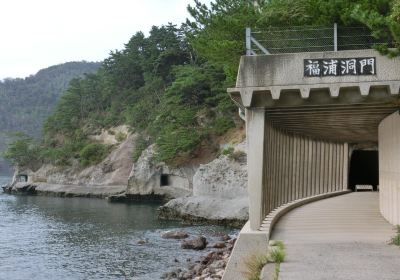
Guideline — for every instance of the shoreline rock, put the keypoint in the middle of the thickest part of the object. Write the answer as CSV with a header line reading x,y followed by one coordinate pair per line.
x,y
58,190
212,193
198,243
206,210
174,235
209,266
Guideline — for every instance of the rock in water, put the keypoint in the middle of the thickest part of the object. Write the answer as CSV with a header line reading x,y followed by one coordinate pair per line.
x,y
198,243
174,235
219,245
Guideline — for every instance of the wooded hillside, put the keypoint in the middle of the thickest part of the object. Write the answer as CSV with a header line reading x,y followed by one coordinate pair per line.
x,y
171,85
26,103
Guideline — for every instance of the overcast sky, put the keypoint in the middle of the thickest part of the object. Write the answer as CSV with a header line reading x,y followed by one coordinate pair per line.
x,y
36,34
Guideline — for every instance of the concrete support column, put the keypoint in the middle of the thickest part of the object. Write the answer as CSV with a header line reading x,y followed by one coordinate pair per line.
x,y
255,121
346,166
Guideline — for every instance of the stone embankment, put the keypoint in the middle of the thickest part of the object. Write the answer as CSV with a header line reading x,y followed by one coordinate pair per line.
x,y
210,266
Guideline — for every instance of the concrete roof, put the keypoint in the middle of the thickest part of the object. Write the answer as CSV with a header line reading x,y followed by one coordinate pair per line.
x,y
342,108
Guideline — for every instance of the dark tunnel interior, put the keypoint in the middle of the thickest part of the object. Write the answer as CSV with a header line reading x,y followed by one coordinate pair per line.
x,y
364,169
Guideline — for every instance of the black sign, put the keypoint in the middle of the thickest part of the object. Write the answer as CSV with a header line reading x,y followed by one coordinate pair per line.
x,y
339,67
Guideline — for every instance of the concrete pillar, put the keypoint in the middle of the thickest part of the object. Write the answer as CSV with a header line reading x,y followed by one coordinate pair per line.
x,y
346,166
255,121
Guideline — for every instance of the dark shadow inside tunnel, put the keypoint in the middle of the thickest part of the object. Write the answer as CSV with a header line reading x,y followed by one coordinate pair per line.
x,y
364,169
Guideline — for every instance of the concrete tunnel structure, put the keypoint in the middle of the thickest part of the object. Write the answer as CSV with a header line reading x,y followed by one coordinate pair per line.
x,y
303,129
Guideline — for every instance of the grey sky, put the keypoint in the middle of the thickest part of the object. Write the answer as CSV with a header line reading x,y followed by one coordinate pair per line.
x,y
37,34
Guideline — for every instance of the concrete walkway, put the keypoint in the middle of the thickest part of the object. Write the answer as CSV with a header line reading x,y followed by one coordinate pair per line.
x,y
340,238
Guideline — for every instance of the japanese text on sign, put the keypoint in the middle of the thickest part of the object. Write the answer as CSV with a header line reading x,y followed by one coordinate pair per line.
x,y
339,67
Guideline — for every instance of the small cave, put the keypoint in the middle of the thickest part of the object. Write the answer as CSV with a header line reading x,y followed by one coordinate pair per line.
x,y
164,180
22,178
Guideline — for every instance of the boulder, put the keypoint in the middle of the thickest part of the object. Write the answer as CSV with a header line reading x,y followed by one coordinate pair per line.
x,y
200,209
222,236
142,242
219,245
174,235
198,243
218,264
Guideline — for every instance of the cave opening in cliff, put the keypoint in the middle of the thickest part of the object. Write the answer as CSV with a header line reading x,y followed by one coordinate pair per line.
x,y
22,178
364,169
164,180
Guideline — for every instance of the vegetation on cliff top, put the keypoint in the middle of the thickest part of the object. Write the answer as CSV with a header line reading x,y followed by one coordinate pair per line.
x,y
171,85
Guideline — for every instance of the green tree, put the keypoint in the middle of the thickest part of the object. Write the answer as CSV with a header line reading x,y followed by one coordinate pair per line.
x,y
216,33
382,17
22,151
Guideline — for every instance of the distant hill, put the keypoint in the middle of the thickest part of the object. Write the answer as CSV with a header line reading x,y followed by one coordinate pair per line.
x,y
26,103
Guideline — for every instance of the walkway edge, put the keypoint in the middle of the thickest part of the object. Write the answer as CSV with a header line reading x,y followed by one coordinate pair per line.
x,y
251,242
273,217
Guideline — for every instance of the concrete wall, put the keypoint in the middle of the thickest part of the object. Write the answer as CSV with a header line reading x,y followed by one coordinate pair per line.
x,y
298,167
286,70
283,166
389,168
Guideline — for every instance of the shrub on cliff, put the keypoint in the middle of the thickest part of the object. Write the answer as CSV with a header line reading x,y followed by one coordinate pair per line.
x,y
93,153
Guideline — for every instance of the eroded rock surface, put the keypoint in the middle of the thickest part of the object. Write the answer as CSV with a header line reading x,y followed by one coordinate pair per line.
x,y
219,193
109,177
159,179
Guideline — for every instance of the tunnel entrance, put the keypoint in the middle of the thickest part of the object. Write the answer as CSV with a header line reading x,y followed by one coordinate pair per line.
x,y
364,169
164,180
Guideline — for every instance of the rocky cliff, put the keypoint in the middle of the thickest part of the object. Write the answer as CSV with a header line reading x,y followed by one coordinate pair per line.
x,y
219,192
109,177
148,178
212,192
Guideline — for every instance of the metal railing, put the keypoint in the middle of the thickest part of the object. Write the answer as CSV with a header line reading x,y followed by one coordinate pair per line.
x,y
309,39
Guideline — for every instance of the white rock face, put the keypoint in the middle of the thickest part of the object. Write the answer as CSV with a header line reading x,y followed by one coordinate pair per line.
x,y
209,208
146,177
219,192
222,178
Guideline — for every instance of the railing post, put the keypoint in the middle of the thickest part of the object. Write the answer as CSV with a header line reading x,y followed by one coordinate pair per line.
x,y
335,39
248,41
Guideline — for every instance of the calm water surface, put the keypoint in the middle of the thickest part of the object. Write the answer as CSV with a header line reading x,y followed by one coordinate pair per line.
x,y
77,238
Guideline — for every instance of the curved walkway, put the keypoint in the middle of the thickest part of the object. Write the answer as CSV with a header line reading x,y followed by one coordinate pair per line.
x,y
340,238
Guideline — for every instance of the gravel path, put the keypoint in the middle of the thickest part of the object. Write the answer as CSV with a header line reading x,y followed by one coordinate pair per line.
x,y
341,238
